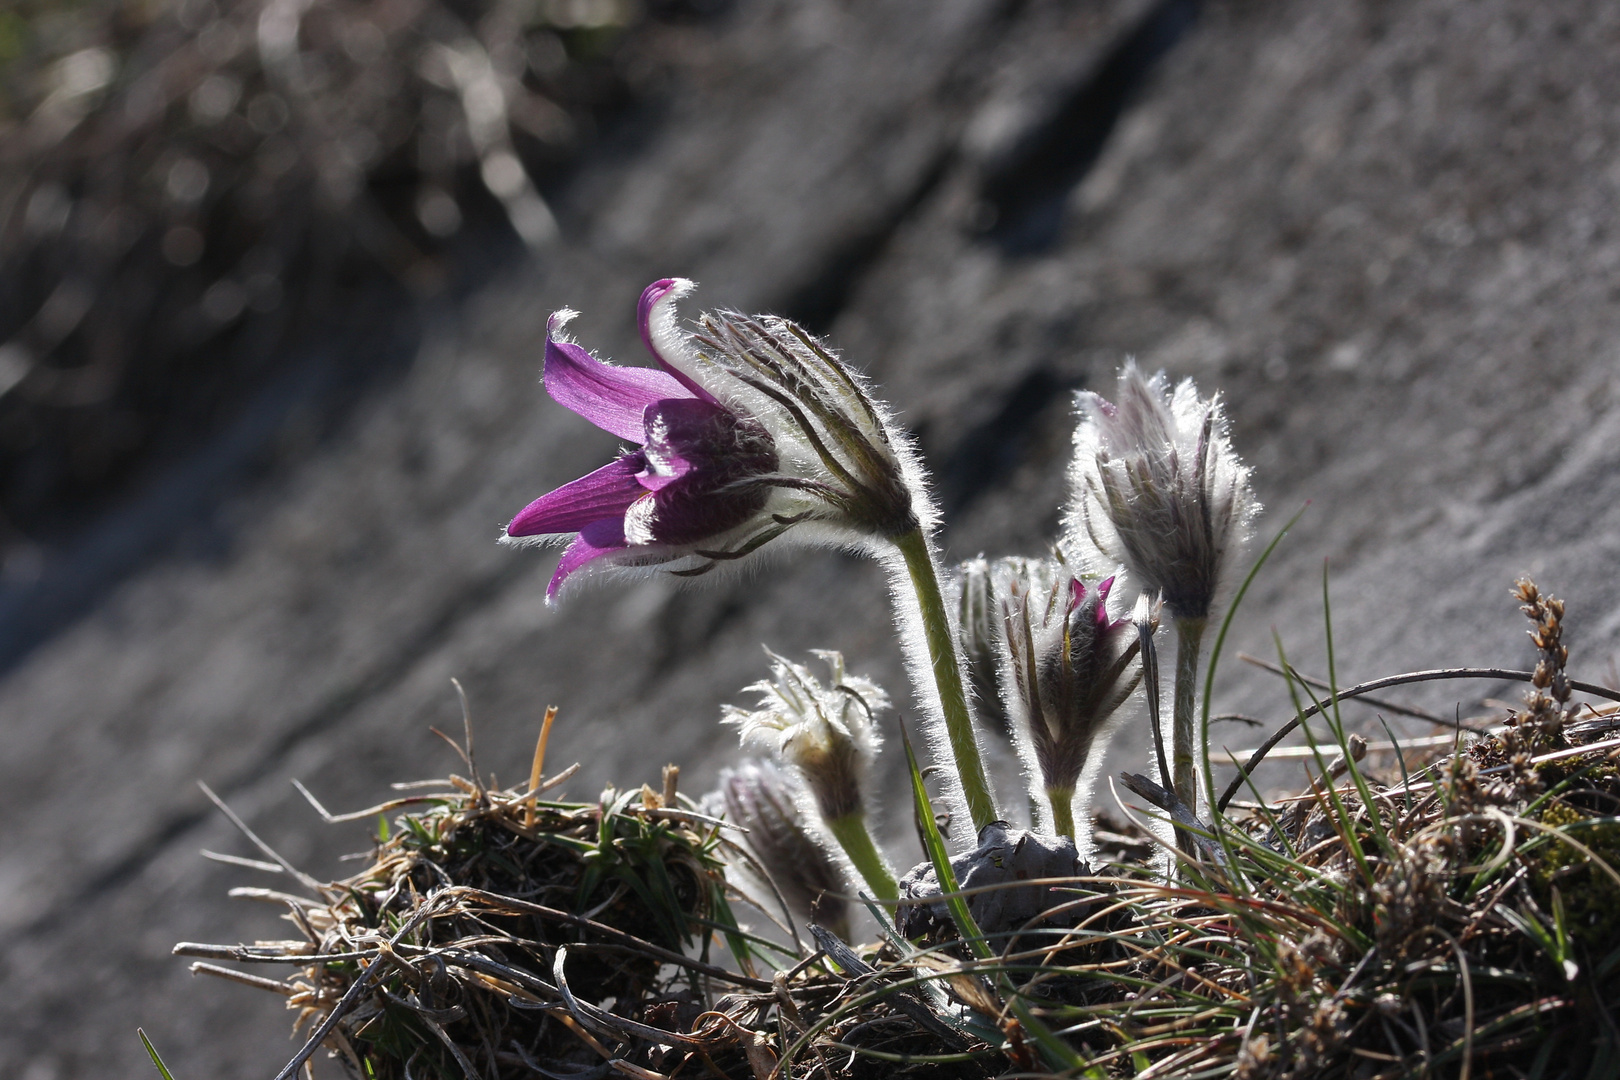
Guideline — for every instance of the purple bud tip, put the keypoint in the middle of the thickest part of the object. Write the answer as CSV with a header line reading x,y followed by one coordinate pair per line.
x,y
1103,588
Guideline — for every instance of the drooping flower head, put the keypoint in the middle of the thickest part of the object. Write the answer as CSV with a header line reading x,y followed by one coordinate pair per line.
x,y
759,798
1071,666
747,428
1158,487
824,730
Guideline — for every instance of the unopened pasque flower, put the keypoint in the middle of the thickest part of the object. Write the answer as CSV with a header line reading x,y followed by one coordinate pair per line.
x,y
1158,487
978,630
759,798
1071,667
746,429
981,585
825,731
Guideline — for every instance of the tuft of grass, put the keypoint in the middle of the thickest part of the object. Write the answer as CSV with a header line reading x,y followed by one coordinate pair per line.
x,y
1452,917
494,930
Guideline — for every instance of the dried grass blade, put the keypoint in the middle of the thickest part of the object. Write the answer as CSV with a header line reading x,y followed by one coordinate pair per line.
x,y
298,875
275,986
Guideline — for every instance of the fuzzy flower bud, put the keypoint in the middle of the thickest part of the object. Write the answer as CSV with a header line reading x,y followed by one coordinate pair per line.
x,y
980,585
1070,669
848,468
824,731
978,616
759,798
1158,487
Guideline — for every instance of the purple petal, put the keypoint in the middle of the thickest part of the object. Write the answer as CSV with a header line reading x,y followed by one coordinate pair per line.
x,y
656,313
593,542
1102,603
701,461
605,493
612,398
687,434
665,473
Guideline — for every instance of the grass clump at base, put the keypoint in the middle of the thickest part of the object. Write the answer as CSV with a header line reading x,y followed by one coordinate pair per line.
x,y
496,930
1451,918
1568,878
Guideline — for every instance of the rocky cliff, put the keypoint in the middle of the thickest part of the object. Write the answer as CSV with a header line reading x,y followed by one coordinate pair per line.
x,y
1383,229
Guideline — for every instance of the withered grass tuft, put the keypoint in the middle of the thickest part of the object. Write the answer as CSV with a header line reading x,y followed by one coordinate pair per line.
x,y
498,933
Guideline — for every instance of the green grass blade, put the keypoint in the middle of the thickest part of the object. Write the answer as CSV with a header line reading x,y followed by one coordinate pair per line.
x,y
737,940
1400,761
1209,682
934,845
1340,818
163,1070
1351,766
1226,625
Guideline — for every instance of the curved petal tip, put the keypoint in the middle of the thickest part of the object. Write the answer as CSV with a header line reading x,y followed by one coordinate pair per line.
x,y
655,312
595,541
671,289
559,319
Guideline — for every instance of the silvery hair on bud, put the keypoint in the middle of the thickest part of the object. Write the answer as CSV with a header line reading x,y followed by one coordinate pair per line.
x,y
834,434
978,615
758,797
1156,486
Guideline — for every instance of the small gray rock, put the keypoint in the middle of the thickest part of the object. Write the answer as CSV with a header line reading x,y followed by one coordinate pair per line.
x,y
1004,855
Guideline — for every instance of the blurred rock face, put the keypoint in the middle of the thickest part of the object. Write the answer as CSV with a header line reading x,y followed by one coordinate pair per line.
x,y
218,214
1381,230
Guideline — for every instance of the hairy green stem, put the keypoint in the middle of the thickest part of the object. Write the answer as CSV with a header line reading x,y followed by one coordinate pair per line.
x,y
948,677
1062,800
1184,737
852,835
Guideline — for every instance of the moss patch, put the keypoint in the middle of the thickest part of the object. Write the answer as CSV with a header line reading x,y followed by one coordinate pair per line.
x,y
1589,894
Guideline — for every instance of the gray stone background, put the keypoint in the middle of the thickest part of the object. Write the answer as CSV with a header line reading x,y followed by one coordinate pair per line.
x,y
1384,229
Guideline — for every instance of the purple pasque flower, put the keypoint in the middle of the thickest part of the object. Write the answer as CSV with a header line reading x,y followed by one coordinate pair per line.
x,y
744,430
1071,667
1158,487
